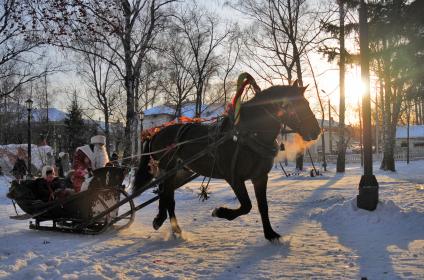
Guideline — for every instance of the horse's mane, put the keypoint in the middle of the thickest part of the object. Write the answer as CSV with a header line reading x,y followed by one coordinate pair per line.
x,y
272,94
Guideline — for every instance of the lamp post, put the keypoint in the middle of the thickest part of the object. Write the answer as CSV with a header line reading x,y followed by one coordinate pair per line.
x,y
59,144
368,186
330,119
29,108
140,144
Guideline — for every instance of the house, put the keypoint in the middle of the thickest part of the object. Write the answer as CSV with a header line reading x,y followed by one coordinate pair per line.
x,y
416,139
161,114
331,137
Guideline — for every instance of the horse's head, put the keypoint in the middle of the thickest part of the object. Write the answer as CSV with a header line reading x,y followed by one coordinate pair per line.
x,y
290,106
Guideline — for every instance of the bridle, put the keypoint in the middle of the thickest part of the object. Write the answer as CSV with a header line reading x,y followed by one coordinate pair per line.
x,y
283,108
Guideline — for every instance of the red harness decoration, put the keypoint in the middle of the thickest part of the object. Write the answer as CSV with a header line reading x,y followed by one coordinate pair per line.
x,y
147,134
243,80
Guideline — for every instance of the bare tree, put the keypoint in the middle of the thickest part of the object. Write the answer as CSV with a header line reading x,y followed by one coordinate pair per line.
x,y
20,54
103,85
282,32
179,65
202,32
134,25
232,48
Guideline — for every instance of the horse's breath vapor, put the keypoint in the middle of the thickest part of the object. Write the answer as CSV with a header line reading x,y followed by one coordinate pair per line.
x,y
293,146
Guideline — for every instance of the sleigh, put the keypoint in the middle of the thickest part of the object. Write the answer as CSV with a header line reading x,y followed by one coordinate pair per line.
x,y
103,205
75,212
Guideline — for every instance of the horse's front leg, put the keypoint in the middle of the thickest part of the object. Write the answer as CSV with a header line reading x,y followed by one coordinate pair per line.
x,y
260,185
240,191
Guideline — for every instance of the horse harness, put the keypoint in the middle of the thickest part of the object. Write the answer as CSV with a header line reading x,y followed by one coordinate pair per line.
x,y
242,138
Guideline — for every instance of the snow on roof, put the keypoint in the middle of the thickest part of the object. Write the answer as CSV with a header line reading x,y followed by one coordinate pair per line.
x,y
188,110
415,131
54,114
161,109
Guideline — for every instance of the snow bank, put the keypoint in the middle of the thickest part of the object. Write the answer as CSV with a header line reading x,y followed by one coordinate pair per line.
x,y
40,155
380,238
349,215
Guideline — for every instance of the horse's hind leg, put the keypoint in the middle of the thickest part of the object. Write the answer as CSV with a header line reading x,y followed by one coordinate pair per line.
x,y
167,204
245,204
163,206
260,185
171,211
177,181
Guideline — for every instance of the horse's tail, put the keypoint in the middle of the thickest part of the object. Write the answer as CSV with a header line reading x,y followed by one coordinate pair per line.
x,y
143,176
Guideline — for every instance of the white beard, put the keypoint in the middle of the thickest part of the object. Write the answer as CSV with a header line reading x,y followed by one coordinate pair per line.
x,y
100,156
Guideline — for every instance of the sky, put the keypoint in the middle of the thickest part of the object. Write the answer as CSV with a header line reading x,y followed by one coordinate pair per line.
x,y
327,74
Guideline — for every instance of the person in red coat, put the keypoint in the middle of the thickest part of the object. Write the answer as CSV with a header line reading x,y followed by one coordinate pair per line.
x,y
86,159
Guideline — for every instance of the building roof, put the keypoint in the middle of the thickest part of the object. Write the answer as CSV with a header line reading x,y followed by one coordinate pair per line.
x,y
188,110
415,131
55,115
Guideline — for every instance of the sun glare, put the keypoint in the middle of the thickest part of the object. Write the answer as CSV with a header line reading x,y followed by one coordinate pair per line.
x,y
354,87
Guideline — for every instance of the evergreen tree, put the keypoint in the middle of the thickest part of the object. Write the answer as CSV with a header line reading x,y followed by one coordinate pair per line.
x,y
75,127
397,46
339,32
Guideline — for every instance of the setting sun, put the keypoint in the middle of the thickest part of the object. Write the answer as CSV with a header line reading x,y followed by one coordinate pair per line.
x,y
354,86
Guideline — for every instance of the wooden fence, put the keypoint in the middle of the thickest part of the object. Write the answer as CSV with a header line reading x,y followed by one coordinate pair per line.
x,y
356,158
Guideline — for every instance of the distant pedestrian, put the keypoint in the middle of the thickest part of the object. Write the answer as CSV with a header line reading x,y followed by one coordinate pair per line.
x,y
19,168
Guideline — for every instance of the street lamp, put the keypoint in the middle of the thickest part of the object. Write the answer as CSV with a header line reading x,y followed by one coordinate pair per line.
x,y
368,186
141,120
139,140
29,108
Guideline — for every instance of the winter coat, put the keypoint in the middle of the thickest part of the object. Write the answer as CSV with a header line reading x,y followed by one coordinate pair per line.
x,y
19,168
44,190
82,166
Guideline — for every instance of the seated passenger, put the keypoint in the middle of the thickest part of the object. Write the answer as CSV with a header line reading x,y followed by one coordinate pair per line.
x,y
48,185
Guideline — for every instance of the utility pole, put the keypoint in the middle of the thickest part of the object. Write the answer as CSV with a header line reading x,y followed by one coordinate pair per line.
x,y
368,186
408,119
361,131
330,123
377,144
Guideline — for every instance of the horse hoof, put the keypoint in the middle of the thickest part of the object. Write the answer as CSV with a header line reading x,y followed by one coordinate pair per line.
x,y
273,237
175,227
158,222
215,212
156,225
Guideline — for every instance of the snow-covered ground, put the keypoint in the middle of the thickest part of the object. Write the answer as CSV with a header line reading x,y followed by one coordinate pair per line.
x,y
326,236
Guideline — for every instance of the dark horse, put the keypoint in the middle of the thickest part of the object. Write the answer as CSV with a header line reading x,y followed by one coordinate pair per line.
x,y
247,154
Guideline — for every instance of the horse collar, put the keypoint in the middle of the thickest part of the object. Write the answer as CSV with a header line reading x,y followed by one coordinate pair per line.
x,y
250,140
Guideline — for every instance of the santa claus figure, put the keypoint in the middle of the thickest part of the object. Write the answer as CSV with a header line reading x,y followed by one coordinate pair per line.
x,y
86,159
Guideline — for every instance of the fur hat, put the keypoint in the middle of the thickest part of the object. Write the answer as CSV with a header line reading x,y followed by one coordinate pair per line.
x,y
98,139
45,169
